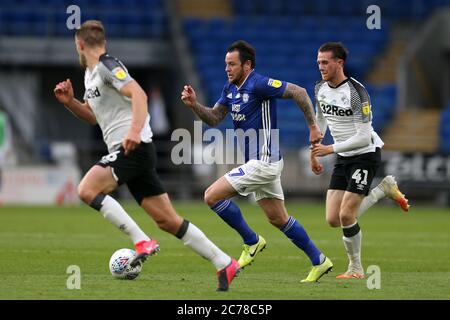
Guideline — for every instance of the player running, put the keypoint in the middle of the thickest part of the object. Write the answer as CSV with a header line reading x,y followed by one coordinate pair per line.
x,y
343,105
250,98
119,105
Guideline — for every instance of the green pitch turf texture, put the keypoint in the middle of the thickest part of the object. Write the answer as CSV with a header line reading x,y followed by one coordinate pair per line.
x,y
37,245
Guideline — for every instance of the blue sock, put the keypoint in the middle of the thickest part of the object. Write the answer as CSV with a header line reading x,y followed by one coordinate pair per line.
x,y
232,215
294,231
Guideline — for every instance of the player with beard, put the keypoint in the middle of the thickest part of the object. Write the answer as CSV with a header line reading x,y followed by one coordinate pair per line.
x,y
250,98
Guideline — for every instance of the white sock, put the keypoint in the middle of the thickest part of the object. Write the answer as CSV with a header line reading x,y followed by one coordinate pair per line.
x,y
372,198
353,247
114,213
195,239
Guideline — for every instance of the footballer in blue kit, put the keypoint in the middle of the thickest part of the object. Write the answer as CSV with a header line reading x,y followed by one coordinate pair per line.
x,y
252,106
250,99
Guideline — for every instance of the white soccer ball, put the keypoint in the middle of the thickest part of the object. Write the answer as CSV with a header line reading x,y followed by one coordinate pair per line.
x,y
119,264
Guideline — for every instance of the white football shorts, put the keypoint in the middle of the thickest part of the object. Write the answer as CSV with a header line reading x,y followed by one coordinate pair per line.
x,y
260,177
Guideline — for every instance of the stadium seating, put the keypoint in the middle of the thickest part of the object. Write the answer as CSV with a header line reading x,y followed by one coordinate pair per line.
x,y
286,35
286,49
383,99
392,9
141,19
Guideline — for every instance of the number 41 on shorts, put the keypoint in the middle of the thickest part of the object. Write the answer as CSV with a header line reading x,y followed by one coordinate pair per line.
x,y
357,176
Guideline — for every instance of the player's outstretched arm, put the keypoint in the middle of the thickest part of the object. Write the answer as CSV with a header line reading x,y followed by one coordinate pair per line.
x,y
301,98
64,94
211,116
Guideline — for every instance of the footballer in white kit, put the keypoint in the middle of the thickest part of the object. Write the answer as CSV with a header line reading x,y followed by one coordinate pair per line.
x,y
118,104
345,109
111,108
343,105
114,115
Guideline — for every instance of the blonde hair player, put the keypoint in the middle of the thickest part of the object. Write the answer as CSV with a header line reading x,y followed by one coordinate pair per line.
x,y
115,101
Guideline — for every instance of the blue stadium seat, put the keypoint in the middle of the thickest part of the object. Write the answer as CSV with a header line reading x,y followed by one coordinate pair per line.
x,y
216,24
48,17
191,24
383,99
296,7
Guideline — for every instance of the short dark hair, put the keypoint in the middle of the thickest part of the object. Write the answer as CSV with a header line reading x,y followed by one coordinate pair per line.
x,y
92,33
338,49
246,51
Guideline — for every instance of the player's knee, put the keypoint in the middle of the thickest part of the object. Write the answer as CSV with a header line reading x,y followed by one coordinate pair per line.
x,y
347,219
333,222
85,194
209,198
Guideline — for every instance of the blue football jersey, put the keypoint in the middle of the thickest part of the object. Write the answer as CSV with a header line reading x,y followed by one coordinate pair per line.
x,y
253,108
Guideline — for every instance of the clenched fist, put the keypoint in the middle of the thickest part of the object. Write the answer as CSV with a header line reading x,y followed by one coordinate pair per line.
x,y
64,92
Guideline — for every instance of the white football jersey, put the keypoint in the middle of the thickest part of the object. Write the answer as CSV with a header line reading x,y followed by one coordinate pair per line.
x,y
343,107
112,110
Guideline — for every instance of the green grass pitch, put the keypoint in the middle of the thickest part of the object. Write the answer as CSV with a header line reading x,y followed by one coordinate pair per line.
x,y
37,245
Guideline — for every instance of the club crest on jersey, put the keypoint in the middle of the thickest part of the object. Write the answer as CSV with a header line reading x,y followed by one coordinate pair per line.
x,y
119,73
274,83
245,97
366,108
344,99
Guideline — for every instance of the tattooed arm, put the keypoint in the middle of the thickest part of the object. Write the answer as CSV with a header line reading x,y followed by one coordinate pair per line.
x,y
301,98
211,116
